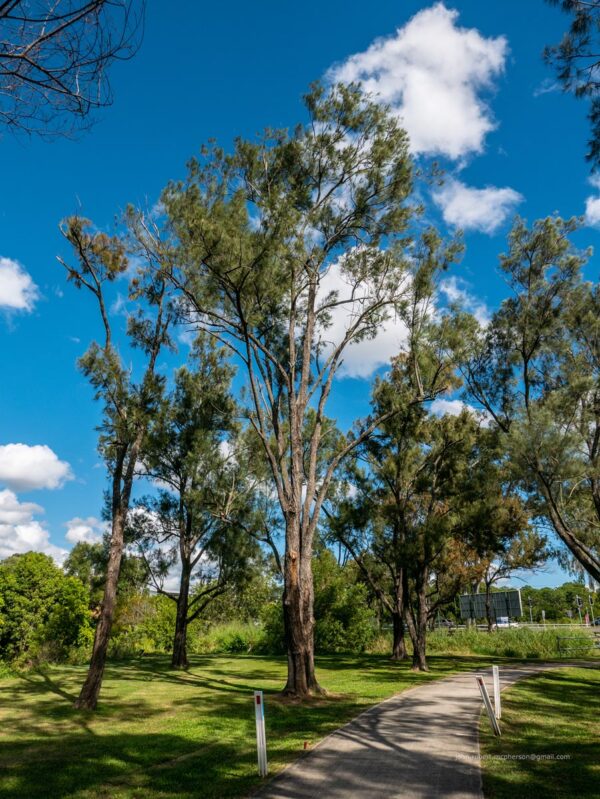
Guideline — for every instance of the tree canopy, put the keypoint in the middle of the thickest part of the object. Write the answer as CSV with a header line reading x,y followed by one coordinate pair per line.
x,y
576,62
535,369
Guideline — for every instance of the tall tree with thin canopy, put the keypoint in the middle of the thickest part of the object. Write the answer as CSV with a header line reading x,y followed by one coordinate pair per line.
x,y
200,517
291,250
370,519
536,370
127,404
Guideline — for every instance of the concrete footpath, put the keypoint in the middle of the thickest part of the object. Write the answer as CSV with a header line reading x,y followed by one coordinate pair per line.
x,y
420,744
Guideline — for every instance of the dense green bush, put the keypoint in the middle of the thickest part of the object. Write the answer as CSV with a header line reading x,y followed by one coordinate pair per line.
x,y
44,613
344,622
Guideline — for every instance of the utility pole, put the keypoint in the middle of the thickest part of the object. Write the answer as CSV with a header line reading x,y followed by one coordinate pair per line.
x,y
530,611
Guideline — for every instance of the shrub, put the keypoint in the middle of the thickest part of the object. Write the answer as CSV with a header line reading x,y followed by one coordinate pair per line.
x,y
231,638
44,613
344,622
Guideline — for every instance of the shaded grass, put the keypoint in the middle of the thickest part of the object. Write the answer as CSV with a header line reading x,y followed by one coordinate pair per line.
x,y
552,713
160,734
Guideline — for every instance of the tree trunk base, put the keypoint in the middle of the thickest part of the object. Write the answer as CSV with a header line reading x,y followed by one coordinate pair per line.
x,y
399,656
84,704
315,690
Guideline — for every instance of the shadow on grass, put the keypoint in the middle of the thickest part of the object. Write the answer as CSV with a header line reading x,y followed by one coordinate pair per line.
x,y
161,765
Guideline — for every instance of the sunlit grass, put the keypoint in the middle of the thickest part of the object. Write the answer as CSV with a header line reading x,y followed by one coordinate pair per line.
x,y
554,713
159,734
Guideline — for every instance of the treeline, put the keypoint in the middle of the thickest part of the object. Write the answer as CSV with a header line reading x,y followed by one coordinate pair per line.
x,y
48,614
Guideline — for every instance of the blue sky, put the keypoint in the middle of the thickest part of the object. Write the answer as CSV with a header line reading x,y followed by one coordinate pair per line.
x,y
468,79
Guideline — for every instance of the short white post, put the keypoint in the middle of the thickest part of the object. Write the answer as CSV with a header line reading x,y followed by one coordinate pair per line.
x,y
497,707
488,705
261,740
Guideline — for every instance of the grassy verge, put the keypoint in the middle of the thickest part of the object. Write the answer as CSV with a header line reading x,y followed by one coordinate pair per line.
x,y
557,714
167,735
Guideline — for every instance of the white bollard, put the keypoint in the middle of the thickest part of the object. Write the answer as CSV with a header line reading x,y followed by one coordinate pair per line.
x,y
261,740
497,707
488,705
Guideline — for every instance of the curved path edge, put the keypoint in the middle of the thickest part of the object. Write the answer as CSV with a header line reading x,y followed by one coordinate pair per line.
x,y
419,744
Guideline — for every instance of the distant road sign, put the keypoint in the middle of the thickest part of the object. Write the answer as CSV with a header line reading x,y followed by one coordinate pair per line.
x,y
504,603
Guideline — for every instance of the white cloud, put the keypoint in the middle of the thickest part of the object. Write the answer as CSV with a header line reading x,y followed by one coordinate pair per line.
x,y
476,209
592,204
592,211
89,530
24,468
456,292
433,73
21,532
443,407
361,358
454,407
18,292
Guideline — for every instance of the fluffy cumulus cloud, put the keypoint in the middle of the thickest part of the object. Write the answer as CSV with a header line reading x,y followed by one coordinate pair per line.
x,y
24,468
21,532
457,293
89,530
592,204
18,292
476,209
361,358
435,75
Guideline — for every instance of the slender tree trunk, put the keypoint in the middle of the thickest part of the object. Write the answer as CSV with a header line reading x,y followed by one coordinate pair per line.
x,y
399,645
179,659
416,621
298,600
419,662
419,658
88,697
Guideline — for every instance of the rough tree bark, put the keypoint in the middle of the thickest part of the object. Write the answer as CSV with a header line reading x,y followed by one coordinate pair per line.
x,y
179,659
399,644
299,627
90,691
416,616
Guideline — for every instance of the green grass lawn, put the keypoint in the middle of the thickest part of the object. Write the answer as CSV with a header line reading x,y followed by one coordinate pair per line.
x,y
159,734
553,713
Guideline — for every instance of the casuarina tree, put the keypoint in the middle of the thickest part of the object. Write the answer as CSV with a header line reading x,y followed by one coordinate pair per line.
x,y
536,370
128,404
290,250
198,521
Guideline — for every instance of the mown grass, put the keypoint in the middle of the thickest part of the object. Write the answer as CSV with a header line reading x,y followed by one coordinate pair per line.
x,y
554,713
159,734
